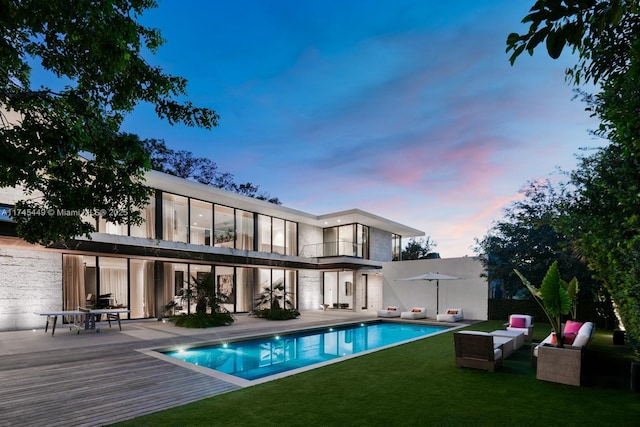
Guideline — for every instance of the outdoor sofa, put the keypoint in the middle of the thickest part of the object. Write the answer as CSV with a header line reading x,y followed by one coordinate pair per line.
x,y
475,349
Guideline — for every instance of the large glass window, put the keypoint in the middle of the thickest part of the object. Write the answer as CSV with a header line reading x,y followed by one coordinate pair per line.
x,y
278,236
264,233
244,288
201,222
225,287
114,285
347,240
396,245
224,226
330,241
142,289
362,241
175,221
339,289
148,228
107,227
292,238
244,230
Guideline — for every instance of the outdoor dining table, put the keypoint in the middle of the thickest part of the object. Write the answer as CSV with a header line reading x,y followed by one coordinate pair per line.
x,y
113,314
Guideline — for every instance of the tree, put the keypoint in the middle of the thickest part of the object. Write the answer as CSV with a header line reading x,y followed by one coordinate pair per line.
x,y
205,171
530,238
61,142
601,32
419,249
604,216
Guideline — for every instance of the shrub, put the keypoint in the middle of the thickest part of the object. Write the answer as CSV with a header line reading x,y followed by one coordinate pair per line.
x,y
203,320
276,314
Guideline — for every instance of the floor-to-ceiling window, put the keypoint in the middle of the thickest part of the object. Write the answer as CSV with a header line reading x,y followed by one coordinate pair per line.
x,y
142,289
291,243
224,226
201,223
245,279
225,287
338,289
175,218
278,236
264,233
346,240
146,229
244,230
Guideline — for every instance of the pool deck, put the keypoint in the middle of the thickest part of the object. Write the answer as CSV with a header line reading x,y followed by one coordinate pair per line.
x,y
93,379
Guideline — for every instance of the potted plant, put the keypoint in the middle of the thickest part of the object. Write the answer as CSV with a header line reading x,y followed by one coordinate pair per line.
x,y
556,297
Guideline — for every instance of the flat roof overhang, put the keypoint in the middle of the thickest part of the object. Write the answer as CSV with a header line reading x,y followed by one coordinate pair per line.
x,y
183,252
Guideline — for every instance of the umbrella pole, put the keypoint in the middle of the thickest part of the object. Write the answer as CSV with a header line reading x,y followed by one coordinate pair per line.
x,y
437,297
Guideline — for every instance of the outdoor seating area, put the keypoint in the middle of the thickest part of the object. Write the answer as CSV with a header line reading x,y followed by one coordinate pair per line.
x,y
415,313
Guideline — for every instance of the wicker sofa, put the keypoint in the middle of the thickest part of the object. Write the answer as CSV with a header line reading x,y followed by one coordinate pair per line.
x,y
475,349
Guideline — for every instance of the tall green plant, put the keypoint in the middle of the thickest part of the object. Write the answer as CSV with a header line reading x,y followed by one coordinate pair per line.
x,y
553,297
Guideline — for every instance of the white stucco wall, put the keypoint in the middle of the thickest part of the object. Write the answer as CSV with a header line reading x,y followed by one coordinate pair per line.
x,y
469,292
30,281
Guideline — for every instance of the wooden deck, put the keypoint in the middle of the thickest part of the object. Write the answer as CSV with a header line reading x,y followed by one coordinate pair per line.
x,y
98,384
95,386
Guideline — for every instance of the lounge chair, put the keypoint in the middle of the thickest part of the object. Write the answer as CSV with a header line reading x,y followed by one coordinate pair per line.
x,y
391,311
521,323
415,313
451,315
475,349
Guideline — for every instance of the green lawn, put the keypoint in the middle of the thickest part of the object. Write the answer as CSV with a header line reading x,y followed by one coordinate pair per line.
x,y
417,384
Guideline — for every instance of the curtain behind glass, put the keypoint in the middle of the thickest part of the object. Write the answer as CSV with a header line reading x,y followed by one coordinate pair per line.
x,y
73,282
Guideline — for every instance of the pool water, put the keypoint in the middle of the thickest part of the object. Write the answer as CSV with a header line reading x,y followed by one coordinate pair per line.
x,y
264,357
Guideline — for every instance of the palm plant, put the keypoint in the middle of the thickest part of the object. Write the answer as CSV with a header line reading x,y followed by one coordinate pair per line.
x,y
555,296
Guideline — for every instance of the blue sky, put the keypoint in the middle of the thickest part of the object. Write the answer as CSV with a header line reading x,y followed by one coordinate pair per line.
x,y
407,109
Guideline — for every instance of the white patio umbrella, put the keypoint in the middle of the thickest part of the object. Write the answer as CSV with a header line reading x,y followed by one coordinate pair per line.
x,y
429,276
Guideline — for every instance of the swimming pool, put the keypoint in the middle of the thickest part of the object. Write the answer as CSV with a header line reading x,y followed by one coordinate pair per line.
x,y
267,356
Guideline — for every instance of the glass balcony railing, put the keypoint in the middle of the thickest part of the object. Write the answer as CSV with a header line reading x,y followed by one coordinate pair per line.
x,y
326,249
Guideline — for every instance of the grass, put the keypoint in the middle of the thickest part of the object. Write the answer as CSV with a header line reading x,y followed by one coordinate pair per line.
x,y
418,384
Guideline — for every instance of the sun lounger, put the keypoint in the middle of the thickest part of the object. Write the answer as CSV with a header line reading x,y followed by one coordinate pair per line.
x,y
415,313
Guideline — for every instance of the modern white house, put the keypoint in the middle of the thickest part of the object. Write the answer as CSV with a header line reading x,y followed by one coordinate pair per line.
x,y
336,261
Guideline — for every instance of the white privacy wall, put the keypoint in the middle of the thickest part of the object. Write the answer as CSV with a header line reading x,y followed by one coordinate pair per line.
x,y
30,281
469,292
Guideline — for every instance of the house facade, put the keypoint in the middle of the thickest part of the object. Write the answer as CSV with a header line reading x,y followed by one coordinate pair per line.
x,y
333,261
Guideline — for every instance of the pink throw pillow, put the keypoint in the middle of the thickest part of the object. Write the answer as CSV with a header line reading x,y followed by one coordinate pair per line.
x,y
415,310
572,327
452,311
518,322
391,309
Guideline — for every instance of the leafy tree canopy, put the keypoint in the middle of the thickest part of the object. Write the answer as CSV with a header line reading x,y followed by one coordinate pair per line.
x,y
419,249
601,32
530,238
93,51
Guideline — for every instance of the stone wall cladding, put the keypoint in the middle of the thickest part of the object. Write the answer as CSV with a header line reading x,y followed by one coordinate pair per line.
x,y
31,281
309,240
309,289
379,245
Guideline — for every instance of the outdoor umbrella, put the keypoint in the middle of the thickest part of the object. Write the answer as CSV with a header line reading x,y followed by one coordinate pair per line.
x,y
431,277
